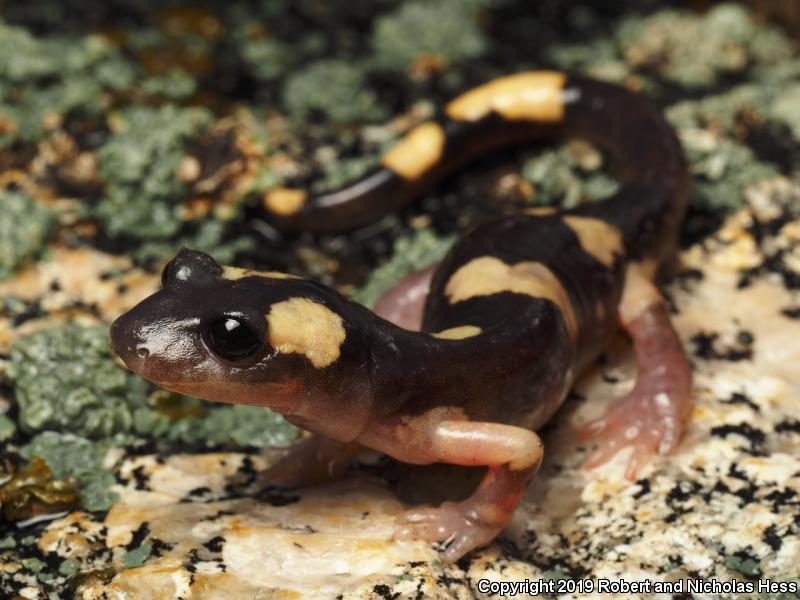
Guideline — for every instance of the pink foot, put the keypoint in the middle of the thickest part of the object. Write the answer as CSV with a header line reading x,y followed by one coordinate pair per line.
x,y
648,423
653,417
457,527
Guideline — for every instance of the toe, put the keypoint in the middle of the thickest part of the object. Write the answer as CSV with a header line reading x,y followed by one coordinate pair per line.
x,y
603,453
592,429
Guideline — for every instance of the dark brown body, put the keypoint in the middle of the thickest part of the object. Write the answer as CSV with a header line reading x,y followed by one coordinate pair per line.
x,y
515,311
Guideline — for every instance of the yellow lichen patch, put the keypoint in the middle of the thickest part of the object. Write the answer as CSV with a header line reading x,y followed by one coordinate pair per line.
x,y
284,201
234,273
458,333
533,96
302,326
488,275
412,156
597,238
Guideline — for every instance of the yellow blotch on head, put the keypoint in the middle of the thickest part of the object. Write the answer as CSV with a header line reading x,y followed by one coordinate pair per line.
x,y
599,239
234,273
302,326
284,201
532,96
458,333
489,275
417,152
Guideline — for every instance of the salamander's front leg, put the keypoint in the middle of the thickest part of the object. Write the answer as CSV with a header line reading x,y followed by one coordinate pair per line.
x,y
653,417
512,455
310,461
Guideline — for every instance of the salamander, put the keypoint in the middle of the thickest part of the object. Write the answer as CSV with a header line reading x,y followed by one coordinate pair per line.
x,y
464,362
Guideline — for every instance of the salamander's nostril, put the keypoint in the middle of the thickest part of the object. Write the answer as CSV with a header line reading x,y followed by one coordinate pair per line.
x,y
142,351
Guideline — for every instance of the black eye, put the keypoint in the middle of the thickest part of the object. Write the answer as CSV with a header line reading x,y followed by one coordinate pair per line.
x,y
232,339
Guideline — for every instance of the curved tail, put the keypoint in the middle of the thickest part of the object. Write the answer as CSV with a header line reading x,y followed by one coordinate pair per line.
x,y
511,110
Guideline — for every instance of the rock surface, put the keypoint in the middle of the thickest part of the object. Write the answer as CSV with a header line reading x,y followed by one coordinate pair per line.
x,y
724,506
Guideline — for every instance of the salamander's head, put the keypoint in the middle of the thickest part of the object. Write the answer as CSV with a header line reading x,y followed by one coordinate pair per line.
x,y
233,335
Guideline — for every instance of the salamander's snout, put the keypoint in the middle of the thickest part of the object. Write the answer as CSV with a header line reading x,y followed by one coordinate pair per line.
x,y
125,342
156,341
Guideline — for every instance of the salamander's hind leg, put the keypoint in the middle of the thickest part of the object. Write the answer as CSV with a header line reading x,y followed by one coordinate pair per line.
x,y
404,303
653,416
512,454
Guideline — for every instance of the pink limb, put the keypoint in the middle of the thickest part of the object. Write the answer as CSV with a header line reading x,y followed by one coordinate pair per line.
x,y
653,417
512,454
404,303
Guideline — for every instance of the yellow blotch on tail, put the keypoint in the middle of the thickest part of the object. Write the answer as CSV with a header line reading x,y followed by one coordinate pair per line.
x,y
417,152
284,201
532,96
458,333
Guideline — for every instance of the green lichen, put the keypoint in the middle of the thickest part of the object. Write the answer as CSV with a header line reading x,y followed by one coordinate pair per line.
x,y
173,85
34,564
209,236
244,426
598,57
137,556
64,379
409,254
724,113
722,172
140,167
7,543
713,132
334,88
568,176
679,46
68,568
74,457
25,227
443,29
7,428
45,81
267,58
743,564
698,51
786,108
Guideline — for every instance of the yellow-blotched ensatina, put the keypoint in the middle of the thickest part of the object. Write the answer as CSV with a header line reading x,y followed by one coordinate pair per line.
x,y
518,307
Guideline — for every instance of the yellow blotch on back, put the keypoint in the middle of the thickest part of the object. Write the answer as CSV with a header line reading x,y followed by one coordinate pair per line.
x,y
458,333
284,201
597,238
417,152
488,275
302,326
234,273
532,96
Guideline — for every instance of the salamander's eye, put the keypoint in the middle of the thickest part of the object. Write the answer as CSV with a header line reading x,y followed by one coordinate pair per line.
x,y
231,338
